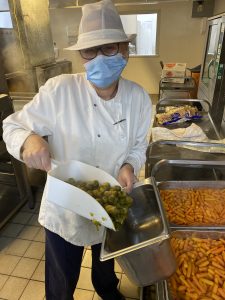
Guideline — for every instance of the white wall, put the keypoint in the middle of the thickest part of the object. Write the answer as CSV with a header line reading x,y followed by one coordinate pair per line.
x,y
219,7
180,40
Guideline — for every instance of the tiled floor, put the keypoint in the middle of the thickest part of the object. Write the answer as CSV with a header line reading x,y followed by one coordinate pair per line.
x,y
22,255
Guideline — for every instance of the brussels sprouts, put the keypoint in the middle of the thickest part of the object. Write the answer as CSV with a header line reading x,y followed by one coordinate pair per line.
x,y
115,201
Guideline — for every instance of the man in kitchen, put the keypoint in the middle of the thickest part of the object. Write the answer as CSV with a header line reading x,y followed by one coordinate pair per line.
x,y
96,117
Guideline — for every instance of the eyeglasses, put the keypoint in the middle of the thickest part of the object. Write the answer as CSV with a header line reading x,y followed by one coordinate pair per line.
x,y
107,50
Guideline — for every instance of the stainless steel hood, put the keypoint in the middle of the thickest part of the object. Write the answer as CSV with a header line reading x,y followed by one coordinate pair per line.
x,y
78,3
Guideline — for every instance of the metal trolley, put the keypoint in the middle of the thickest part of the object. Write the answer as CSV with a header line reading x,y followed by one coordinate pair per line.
x,y
173,88
170,162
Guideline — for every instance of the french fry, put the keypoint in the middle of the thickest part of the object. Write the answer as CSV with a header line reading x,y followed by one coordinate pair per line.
x,y
214,296
215,288
201,269
195,206
221,292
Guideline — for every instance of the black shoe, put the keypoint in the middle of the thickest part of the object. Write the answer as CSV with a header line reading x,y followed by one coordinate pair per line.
x,y
115,295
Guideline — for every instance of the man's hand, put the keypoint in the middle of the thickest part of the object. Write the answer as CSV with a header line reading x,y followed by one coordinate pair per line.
x,y
126,177
35,153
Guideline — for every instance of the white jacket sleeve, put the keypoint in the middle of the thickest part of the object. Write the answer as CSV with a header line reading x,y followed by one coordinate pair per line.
x,y
38,116
137,154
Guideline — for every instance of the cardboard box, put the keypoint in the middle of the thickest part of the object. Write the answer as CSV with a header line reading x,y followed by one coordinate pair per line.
x,y
174,71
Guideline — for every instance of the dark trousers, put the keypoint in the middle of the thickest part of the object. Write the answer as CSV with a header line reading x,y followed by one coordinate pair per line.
x,y
62,269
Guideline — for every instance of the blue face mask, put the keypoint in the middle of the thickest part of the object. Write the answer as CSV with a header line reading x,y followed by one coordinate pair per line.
x,y
103,70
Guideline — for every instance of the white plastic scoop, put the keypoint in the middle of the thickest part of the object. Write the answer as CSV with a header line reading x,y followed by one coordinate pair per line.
x,y
73,198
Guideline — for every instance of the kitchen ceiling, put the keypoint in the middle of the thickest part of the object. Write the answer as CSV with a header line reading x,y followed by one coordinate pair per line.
x,y
77,3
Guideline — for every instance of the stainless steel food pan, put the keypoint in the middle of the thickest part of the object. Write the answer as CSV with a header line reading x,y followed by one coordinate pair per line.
x,y
205,123
214,183
194,185
203,104
203,234
184,150
142,247
155,291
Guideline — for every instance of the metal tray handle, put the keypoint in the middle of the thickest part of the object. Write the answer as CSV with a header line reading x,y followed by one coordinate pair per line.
x,y
170,102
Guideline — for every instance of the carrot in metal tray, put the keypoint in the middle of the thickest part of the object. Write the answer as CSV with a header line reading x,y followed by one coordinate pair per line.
x,y
194,206
221,292
200,274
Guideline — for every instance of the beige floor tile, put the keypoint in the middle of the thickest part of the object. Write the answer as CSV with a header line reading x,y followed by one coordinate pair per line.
x,y
34,221
8,263
127,288
3,279
5,242
11,230
29,232
35,250
39,273
118,268
25,268
26,208
87,260
40,236
22,217
35,290
18,247
96,297
13,288
84,281
43,257
83,294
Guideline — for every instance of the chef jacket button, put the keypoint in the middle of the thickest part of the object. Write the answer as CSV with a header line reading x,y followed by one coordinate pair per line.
x,y
97,166
95,105
99,135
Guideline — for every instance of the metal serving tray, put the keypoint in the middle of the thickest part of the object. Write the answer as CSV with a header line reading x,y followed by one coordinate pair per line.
x,y
175,150
142,246
191,233
185,164
193,184
155,291
205,123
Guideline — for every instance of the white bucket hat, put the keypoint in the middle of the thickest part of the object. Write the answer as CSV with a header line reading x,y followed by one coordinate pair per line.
x,y
100,24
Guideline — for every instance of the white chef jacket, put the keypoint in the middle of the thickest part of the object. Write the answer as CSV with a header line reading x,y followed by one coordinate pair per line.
x,y
82,126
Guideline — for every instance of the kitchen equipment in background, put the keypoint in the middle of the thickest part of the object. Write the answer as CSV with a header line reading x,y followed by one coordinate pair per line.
x,y
15,188
205,123
212,77
27,49
142,246
183,150
44,72
173,72
155,291
175,89
195,73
